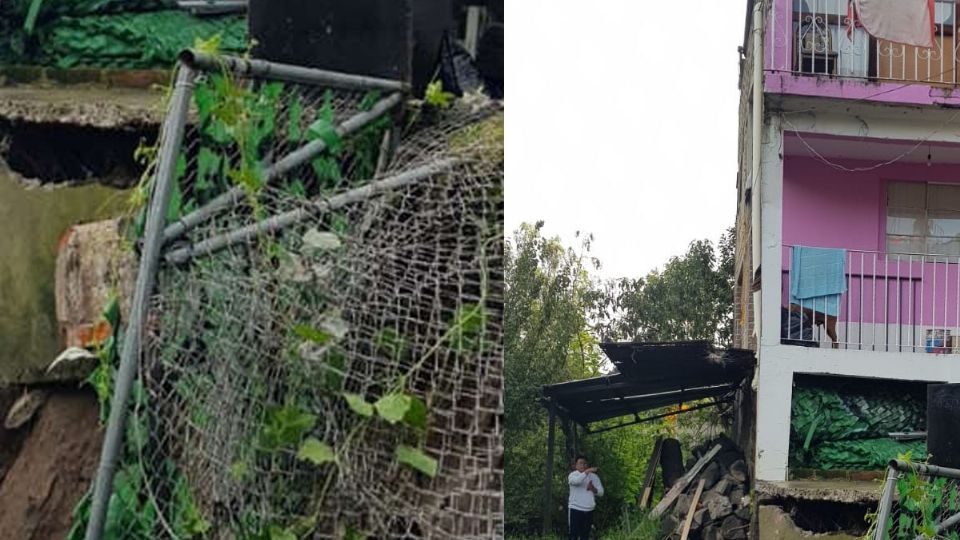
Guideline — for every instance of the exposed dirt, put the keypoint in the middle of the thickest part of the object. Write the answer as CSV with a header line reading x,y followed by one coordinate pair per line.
x,y
53,469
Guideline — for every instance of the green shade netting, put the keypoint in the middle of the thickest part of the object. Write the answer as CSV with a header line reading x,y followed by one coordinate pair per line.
x,y
843,425
131,40
135,40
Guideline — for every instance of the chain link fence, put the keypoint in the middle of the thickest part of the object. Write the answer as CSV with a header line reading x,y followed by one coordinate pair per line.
x,y
321,355
919,501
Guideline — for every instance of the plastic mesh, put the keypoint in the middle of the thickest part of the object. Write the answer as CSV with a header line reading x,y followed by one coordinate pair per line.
x,y
250,353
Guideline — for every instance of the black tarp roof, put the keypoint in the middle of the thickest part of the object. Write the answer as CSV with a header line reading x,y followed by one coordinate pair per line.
x,y
651,376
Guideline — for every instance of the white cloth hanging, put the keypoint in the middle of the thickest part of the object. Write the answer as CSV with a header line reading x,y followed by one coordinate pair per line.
x,y
909,22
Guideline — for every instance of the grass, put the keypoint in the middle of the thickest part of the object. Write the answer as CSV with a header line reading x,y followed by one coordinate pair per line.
x,y
634,525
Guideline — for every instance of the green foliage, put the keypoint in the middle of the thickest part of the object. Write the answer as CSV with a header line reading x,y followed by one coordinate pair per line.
x,y
690,299
284,426
311,334
435,95
358,404
554,310
392,407
316,452
417,459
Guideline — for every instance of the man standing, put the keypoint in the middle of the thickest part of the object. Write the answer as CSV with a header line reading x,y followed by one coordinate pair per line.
x,y
584,487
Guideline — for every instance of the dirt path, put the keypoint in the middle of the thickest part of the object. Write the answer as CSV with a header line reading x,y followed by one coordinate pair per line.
x,y
53,470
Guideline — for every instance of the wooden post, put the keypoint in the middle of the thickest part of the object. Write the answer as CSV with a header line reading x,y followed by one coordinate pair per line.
x,y
692,510
646,490
568,443
548,478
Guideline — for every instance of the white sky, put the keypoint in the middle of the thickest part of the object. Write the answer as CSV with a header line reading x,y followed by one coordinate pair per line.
x,y
623,123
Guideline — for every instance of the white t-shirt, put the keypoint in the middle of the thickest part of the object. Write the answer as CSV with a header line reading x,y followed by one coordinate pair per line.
x,y
582,498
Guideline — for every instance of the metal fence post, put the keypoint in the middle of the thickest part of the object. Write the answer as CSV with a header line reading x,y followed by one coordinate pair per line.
x,y
886,501
171,139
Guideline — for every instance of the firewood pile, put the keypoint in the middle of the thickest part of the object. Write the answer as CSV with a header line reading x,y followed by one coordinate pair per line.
x,y
709,501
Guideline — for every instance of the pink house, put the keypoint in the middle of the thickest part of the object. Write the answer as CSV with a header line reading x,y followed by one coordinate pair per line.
x,y
852,143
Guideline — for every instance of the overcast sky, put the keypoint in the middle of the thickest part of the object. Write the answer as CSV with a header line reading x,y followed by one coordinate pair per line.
x,y
622,122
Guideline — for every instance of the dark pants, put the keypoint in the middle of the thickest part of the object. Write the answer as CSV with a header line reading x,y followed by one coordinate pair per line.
x,y
580,523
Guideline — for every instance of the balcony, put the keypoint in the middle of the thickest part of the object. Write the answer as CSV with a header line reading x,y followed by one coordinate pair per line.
x,y
893,302
810,52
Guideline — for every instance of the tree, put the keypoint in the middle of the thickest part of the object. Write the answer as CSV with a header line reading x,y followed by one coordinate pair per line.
x,y
690,299
549,293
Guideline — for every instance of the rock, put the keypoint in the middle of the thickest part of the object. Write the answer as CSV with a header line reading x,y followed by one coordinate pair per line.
x,y
733,528
669,525
92,266
73,359
709,496
700,517
711,532
24,408
727,457
719,508
736,495
710,475
738,471
682,505
722,487
743,513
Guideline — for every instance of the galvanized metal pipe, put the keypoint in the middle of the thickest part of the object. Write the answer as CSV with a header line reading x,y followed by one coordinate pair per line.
x,y
292,160
172,138
287,219
886,501
263,69
925,469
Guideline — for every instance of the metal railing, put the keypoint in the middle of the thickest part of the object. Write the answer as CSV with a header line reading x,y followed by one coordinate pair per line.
x,y
818,39
893,302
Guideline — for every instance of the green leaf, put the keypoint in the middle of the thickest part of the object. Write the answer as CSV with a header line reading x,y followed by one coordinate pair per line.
x,y
284,426
436,96
369,100
294,114
210,45
111,313
414,457
31,19
310,333
176,198
278,533
416,415
316,452
393,407
358,404
323,129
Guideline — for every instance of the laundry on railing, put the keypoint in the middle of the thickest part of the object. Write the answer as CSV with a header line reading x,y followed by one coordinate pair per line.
x,y
910,22
818,278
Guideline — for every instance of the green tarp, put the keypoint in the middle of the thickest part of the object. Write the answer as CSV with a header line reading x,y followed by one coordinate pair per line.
x,y
844,425
92,33
139,40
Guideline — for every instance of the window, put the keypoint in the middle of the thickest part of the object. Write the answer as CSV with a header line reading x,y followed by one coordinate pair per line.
x,y
923,218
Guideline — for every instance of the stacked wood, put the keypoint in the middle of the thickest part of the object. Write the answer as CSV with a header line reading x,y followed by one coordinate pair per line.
x,y
708,502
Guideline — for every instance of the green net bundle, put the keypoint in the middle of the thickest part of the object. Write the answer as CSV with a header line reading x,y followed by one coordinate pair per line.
x,y
128,34
135,40
842,425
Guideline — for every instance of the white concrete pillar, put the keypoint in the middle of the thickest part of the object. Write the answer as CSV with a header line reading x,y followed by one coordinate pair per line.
x,y
771,235
774,395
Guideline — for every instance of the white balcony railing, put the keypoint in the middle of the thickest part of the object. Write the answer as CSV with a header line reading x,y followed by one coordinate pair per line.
x,y
893,302
822,45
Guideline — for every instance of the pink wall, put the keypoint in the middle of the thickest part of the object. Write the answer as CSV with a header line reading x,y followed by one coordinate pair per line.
x,y
824,207
779,79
